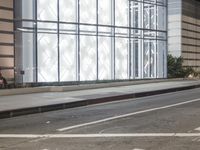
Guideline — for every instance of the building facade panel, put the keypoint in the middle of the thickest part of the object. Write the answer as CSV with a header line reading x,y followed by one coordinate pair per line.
x,y
81,40
7,39
188,46
190,30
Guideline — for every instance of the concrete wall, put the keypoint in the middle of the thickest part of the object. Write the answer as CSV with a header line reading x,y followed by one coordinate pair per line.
x,y
191,33
7,39
184,31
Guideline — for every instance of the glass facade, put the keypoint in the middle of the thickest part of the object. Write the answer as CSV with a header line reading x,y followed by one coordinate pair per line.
x,y
81,40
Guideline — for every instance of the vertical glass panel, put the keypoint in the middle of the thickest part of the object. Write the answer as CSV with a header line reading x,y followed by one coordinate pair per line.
x,y
136,58
47,58
47,10
161,18
121,58
150,16
153,59
121,13
88,60
150,59
135,15
67,10
104,58
161,59
28,9
28,55
146,58
88,11
104,12
67,58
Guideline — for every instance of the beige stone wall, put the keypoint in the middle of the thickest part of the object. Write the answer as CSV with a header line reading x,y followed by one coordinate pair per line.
x,y
7,39
191,42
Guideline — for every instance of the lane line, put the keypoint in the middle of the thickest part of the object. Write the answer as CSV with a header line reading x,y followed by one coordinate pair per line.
x,y
46,136
125,115
197,129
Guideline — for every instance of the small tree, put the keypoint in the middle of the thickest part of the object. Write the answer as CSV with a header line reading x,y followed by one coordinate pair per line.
x,y
176,69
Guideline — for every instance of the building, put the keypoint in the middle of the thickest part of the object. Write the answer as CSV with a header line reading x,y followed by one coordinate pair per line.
x,y
184,31
81,40
7,39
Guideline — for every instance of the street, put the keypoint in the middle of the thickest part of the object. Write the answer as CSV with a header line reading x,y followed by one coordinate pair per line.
x,y
162,122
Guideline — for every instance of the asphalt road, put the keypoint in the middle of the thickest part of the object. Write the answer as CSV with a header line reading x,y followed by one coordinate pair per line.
x,y
162,122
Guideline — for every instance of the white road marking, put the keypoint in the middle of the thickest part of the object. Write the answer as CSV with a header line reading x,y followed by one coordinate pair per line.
x,y
197,129
138,149
99,135
125,115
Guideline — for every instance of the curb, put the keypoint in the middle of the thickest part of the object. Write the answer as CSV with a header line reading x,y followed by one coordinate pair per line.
x,y
46,108
31,90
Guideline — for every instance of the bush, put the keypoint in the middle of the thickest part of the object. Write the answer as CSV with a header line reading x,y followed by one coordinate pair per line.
x,y
176,69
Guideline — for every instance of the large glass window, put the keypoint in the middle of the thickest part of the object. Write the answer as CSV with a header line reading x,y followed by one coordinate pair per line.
x,y
79,40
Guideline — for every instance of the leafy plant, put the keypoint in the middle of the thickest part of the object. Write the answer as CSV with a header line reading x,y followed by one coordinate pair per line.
x,y
176,69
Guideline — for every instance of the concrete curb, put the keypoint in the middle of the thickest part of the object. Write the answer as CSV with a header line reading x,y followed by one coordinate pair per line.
x,y
8,92
46,108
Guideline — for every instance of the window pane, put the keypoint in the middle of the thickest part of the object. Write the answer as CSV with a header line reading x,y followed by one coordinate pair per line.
x,y
121,13
67,10
88,11
28,55
67,57
88,61
47,58
121,58
161,18
47,10
105,12
104,58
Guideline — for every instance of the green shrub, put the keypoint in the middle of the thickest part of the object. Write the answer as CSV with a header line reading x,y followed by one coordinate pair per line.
x,y
176,69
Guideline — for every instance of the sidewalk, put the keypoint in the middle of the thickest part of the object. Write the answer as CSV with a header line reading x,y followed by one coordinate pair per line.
x,y
63,97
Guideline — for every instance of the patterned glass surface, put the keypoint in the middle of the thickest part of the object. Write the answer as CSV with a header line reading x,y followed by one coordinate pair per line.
x,y
88,58
78,40
67,10
121,57
47,10
104,59
88,11
47,58
68,57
